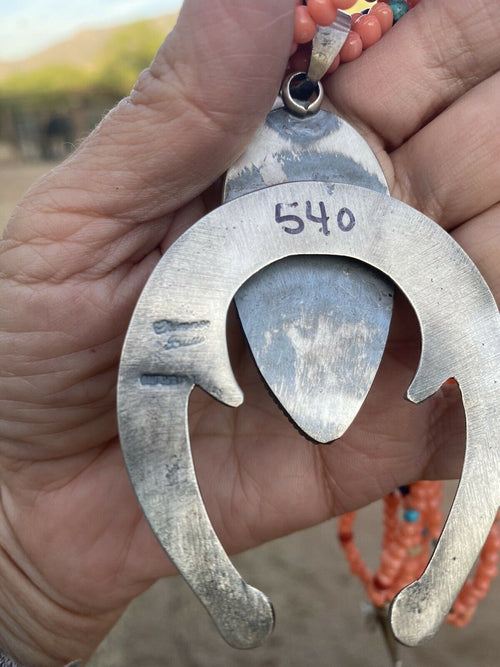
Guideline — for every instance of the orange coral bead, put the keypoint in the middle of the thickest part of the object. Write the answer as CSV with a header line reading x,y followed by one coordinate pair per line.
x,y
382,581
334,65
494,538
419,504
347,519
459,608
417,490
490,571
369,29
481,584
305,27
352,49
322,11
397,550
384,14
481,594
389,562
410,530
470,601
405,579
343,4
378,598
406,547
461,622
490,557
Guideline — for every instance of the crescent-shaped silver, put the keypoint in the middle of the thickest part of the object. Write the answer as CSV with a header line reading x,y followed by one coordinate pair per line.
x,y
177,339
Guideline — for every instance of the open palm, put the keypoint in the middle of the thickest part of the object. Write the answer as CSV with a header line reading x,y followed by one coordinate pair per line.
x,y
82,243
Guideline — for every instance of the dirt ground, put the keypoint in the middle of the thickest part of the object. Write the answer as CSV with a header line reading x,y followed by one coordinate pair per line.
x,y
320,622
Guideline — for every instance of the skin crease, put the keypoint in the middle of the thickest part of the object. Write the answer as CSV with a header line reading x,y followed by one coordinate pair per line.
x,y
74,546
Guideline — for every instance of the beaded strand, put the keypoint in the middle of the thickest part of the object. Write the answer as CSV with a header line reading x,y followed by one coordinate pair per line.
x,y
406,547
367,27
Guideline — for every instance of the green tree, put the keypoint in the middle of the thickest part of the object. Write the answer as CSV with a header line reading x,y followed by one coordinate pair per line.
x,y
128,52
48,79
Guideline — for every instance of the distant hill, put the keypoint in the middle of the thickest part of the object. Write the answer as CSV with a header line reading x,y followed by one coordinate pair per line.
x,y
89,57
80,50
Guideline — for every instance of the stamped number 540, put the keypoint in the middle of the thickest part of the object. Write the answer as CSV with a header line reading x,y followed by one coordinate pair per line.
x,y
314,213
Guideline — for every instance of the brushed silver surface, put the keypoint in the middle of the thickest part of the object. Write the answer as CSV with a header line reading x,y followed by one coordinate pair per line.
x,y
317,334
177,339
323,147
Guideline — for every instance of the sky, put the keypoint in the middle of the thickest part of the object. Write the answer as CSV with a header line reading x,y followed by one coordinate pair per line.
x,y
29,26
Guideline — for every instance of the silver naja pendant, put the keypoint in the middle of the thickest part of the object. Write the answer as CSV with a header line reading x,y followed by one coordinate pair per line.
x,y
317,326
309,244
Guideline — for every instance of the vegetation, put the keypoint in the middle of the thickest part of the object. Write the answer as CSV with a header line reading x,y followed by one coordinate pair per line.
x,y
114,68
49,79
127,53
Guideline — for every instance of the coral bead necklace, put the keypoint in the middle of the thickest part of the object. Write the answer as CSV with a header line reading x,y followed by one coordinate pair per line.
x,y
367,27
412,524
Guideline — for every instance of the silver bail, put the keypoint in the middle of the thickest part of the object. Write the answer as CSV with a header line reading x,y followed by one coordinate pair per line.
x,y
327,44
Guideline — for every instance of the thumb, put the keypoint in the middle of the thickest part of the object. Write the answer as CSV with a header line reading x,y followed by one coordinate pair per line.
x,y
191,113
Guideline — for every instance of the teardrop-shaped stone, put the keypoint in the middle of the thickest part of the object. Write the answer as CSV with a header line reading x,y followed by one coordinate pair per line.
x,y
317,331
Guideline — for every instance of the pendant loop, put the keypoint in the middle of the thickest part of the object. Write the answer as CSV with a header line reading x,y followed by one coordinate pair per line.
x,y
296,104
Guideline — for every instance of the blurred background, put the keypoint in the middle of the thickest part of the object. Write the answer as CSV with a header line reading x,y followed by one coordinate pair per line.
x,y
62,66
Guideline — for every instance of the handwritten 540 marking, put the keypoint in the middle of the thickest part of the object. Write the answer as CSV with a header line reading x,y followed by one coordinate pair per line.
x,y
345,217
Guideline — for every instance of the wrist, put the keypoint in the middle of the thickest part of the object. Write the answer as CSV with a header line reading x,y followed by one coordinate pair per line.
x,y
37,631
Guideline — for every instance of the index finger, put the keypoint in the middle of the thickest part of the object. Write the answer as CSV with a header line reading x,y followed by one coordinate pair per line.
x,y
438,51
191,113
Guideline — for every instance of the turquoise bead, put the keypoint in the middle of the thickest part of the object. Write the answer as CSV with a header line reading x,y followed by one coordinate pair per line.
x,y
399,8
411,515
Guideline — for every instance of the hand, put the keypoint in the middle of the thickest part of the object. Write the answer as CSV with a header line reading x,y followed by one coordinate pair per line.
x,y
75,547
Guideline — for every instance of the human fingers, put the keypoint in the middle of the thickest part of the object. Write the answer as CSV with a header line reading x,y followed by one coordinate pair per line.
x,y
429,59
450,169
481,238
190,114
83,242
